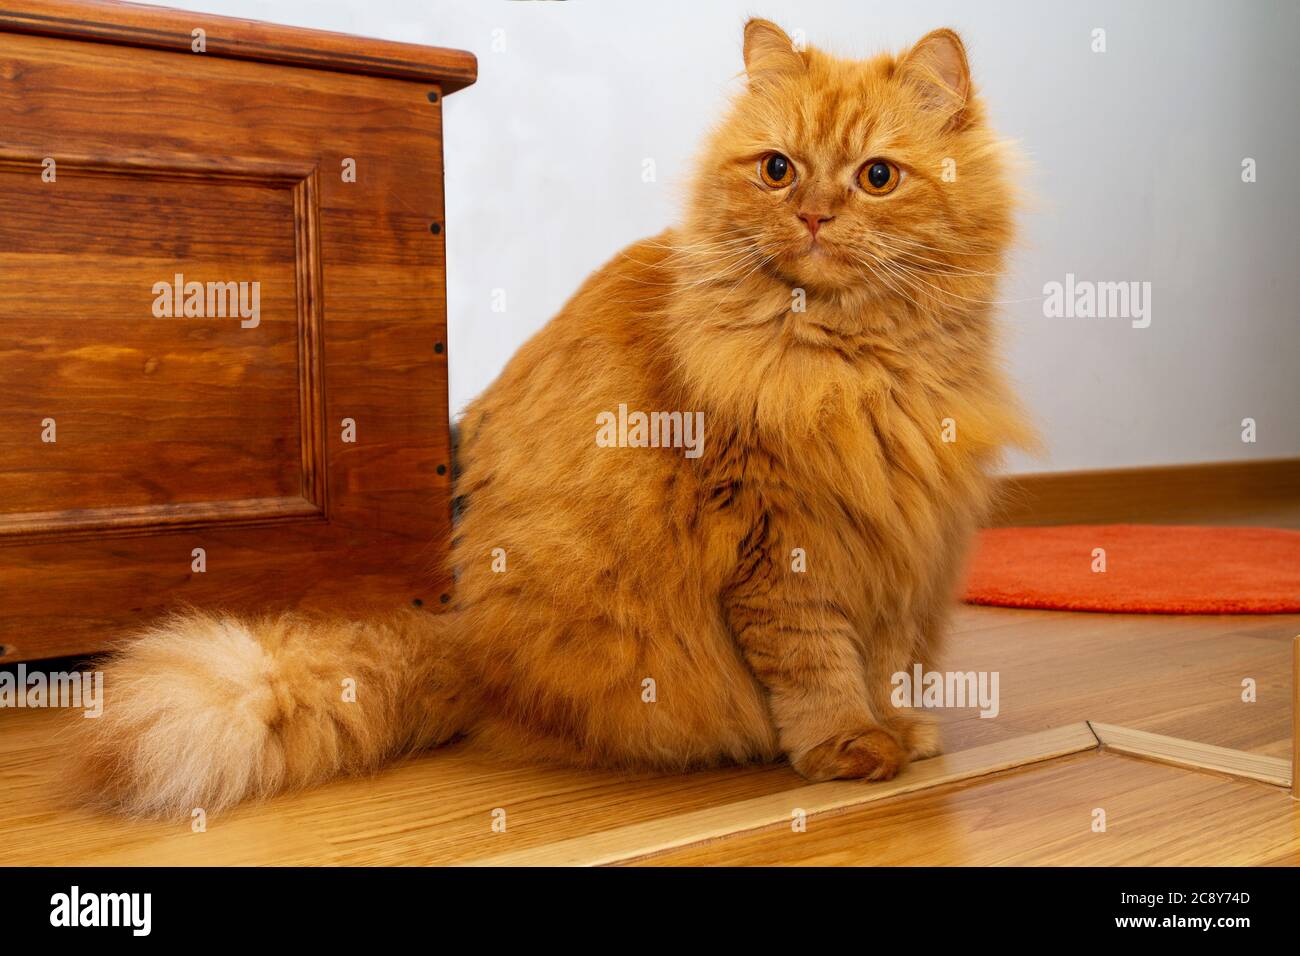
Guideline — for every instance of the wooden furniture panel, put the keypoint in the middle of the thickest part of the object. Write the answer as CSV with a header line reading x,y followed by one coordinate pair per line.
x,y
126,160
149,409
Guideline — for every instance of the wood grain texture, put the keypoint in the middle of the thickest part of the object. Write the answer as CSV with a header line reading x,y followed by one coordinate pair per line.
x,y
1251,492
1178,676
183,433
217,412
432,810
131,24
1190,753
638,841
1295,717
1042,815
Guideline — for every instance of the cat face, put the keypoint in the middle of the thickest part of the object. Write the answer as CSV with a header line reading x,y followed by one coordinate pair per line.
x,y
835,173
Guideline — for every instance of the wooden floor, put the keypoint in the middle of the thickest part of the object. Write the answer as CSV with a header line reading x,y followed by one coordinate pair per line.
x,y
1042,815
1175,676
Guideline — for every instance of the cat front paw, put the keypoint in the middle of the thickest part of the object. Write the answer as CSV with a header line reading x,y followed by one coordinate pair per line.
x,y
870,753
919,734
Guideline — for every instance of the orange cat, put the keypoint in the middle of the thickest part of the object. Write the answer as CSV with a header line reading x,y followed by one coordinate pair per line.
x,y
734,582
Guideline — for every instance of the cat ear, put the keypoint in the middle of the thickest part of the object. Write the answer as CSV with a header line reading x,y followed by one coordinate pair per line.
x,y
768,51
937,67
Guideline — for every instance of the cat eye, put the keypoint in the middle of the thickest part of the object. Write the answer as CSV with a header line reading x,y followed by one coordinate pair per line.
x,y
776,171
879,177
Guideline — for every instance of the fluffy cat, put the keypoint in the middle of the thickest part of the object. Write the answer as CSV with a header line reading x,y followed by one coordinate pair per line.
x,y
827,305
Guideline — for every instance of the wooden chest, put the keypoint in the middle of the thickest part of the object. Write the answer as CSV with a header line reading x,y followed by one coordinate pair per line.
x,y
223,362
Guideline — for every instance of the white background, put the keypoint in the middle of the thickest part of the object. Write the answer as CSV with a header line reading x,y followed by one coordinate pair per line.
x,y
1136,168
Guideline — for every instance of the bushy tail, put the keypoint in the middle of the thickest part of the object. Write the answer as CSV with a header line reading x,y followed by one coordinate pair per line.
x,y
205,711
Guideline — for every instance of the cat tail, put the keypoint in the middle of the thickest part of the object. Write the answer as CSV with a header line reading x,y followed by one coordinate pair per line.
x,y
205,711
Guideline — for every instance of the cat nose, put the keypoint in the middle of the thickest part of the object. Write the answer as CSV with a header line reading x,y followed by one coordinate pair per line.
x,y
814,221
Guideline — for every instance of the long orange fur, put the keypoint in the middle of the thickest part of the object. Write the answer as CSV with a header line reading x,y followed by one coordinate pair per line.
x,y
827,375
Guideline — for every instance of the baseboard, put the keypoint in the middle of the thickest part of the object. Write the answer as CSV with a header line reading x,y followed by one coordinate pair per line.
x,y
1231,492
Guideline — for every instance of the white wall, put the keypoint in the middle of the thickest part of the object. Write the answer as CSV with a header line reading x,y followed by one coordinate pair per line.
x,y
1137,168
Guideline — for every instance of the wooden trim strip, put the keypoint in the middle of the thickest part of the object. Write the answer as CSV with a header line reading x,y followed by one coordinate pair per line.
x,y
1188,753
162,28
309,293
624,844
1194,494
163,166
131,520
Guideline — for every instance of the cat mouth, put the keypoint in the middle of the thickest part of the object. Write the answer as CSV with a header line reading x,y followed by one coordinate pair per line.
x,y
808,258
821,250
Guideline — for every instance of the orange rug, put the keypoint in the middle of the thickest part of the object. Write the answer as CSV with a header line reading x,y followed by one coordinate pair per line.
x,y
1149,569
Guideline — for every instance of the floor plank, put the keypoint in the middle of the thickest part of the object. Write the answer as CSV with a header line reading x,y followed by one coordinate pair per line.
x,y
726,820
1041,815
433,809
1177,675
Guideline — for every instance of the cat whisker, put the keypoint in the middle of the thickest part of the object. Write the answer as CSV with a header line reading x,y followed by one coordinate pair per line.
x,y
967,248
684,255
916,281
877,274
707,251
763,259
933,267
924,262
920,277
734,263
688,246
710,239
910,281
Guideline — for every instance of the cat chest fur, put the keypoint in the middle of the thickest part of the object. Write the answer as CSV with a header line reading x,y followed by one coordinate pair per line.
x,y
865,496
